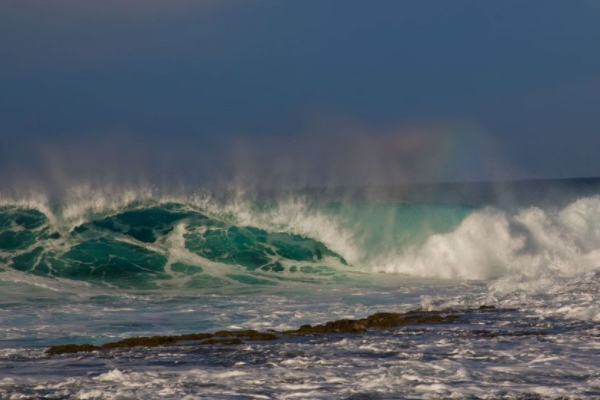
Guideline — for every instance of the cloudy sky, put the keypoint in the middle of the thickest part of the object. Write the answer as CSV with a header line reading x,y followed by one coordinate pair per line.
x,y
350,90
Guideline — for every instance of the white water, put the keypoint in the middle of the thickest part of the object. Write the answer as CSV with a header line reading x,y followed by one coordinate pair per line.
x,y
542,263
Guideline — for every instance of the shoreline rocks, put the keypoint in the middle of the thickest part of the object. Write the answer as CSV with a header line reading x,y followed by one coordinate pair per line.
x,y
378,321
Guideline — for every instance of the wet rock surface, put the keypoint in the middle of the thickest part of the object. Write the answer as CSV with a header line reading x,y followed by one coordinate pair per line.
x,y
378,321
485,353
375,321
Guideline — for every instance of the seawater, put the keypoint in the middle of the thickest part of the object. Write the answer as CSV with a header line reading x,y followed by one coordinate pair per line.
x,y
105,266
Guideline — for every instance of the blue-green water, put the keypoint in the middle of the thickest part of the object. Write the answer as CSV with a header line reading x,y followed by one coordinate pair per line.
x,y
101,267
152,245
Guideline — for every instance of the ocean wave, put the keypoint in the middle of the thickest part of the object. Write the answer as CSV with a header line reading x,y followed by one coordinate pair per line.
x,y
491,244
147,246
138,240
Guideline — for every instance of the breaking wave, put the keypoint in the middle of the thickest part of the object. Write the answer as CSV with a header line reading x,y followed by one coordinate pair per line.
x,y
147,246
491,244
144,243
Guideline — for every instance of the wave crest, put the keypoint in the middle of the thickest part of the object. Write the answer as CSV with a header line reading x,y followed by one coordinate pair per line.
x,y
527,247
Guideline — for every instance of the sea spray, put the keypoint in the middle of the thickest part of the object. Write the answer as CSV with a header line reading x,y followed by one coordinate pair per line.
x,y
134,240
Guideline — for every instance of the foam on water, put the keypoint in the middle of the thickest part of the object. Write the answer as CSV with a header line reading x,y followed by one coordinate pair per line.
x,y
492,244
529,250
430,363
194,263
421,240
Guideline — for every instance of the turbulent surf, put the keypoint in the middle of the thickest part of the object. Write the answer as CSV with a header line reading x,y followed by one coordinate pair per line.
x,y
150,244
96,268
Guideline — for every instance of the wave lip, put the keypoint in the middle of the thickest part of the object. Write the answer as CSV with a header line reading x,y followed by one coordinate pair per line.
x,y
146,247
199,243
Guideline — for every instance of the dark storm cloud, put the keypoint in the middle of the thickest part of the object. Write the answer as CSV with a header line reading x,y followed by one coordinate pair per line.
x,y
181,86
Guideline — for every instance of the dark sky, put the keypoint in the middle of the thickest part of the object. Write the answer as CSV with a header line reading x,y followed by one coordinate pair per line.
x,y
391,91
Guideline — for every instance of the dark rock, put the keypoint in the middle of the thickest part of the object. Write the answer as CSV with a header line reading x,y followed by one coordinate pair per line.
x,y
194,336
71,348
346,325
254,335
384,320
223,334
151,341
375,321
246,333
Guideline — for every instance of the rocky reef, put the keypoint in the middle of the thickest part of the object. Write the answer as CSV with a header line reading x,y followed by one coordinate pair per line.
x,y
377,321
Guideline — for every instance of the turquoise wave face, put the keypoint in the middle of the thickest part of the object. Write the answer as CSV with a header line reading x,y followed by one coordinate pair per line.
x,y
179,245
133,249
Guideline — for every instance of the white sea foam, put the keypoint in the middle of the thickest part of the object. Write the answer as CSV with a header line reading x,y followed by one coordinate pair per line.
x,y
534,243
534,251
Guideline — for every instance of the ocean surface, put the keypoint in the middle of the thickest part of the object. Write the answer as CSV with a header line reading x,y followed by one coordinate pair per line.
x,y
98,266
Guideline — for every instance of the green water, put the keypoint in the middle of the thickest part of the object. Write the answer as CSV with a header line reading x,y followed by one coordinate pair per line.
x,y
183,245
